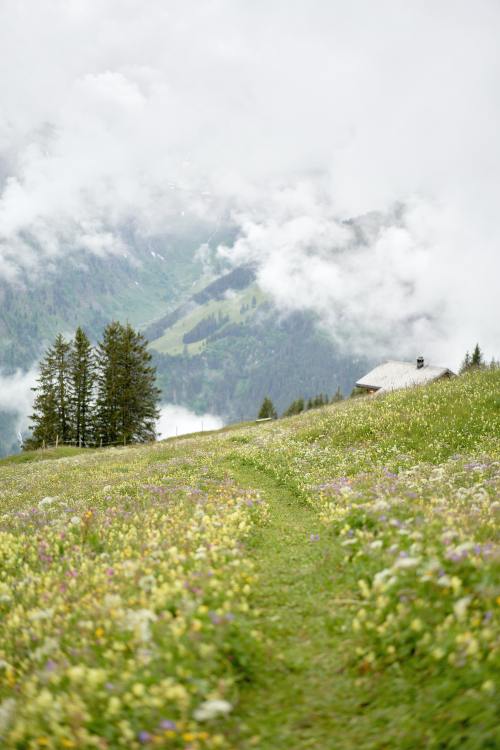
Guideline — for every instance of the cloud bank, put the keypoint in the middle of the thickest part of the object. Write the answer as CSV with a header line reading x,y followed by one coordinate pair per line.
x,y
16,396
177,420
285,119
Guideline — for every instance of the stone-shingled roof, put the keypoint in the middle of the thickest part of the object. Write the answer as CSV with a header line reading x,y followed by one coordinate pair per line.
x,y
392,375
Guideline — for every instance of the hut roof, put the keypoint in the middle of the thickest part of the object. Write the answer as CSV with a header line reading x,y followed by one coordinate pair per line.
x,y
392,375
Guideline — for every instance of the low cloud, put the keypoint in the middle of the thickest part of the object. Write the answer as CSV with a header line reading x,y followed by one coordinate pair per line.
x,y
283,120
178,420
385,284
16,396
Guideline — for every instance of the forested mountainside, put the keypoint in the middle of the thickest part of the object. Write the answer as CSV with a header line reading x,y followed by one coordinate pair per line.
x,y
227,347
283,358
88,290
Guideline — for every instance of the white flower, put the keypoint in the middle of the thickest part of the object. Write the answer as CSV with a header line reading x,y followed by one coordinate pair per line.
x,y
7,708
406,562
74,520
138,620
211,709
147,583
460,607
46,501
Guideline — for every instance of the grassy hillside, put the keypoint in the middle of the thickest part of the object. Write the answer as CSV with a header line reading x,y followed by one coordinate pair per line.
x,y
328,580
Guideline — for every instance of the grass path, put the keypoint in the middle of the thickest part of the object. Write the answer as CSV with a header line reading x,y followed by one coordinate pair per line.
x,y
304,693
297,699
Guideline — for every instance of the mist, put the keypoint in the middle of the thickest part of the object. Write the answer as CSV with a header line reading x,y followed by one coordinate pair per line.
x,y
285,120
178,420
16,396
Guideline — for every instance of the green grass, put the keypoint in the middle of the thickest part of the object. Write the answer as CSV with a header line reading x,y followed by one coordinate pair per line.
x,y
43,454
171,341
334,577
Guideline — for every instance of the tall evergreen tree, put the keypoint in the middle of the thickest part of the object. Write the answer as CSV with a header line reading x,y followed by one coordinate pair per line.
x,y
81,384
139,396
477,357
107,410
51,418
127,396
44,420
62,353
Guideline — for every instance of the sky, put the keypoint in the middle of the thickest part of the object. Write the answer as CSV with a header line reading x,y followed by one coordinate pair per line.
x,y
284,118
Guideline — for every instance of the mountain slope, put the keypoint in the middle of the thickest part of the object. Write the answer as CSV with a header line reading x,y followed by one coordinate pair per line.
x,y
226,348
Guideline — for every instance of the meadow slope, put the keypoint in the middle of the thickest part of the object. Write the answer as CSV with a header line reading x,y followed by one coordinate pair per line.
x,y
326,581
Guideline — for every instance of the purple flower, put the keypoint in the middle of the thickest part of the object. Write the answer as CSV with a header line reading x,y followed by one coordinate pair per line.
x,y
168,725
314,538
144,737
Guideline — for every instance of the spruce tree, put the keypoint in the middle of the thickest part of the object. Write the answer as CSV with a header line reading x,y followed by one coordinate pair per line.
x,y
127,396
267,410
139,396
81,384
51,418
61,356
44,420
477,358
296,407
107,409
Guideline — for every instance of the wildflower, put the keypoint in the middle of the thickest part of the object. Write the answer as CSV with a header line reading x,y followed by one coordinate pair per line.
x,y
211,709
406,562
168,725
47,501
75,520
488,686
438,654
460,607
7,708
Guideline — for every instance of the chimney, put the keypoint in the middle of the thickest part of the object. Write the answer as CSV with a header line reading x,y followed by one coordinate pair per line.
x,y
420,363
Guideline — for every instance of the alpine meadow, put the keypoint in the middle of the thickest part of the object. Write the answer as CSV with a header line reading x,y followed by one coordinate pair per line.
x,y
326,580
249,375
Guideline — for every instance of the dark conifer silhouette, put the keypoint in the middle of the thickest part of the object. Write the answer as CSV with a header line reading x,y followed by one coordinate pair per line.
x,y
104,397
267,410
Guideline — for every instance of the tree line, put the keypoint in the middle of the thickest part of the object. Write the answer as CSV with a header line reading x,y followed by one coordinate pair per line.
x,y
102,395
476,361
268,411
